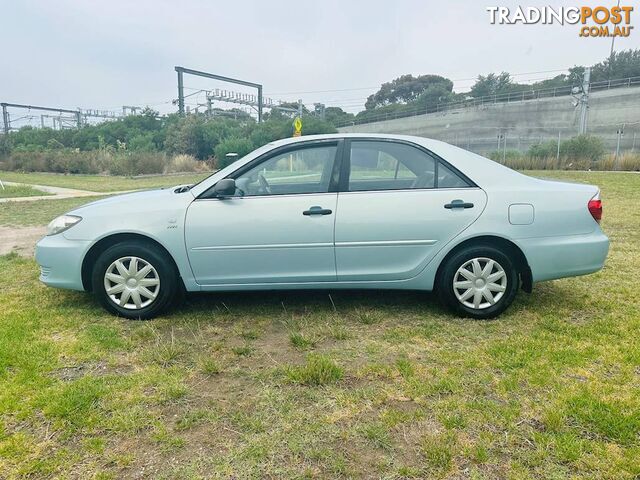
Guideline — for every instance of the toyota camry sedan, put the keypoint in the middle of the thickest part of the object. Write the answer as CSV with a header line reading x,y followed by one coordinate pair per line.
x,y
340,211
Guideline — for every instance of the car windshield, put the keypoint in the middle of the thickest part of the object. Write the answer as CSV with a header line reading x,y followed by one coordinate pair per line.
x,y
256,152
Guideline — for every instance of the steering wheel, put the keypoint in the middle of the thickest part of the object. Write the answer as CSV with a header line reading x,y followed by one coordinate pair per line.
x,y
264,184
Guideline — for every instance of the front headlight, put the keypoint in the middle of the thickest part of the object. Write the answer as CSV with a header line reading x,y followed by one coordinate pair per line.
x,y
62,223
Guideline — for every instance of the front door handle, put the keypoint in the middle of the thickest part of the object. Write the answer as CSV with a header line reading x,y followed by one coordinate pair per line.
x,y
458,204
317,211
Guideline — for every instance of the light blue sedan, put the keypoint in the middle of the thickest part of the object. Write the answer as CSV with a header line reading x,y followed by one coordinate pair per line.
x,y
328,212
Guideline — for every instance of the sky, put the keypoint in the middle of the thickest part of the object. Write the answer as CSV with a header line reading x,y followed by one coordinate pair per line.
x,y
102,55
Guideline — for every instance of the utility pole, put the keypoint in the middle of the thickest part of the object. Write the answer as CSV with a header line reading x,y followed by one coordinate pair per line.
x,y
584,101
5,118
620,133
613,40
319,110
504,148
180,91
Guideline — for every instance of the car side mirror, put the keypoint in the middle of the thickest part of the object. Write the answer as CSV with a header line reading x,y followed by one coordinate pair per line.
x,y
225,188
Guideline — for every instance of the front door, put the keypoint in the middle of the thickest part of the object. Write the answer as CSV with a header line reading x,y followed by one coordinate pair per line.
x,y
397,207
279,226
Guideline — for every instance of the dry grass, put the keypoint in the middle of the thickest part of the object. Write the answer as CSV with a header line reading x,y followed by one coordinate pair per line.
x,y
186,163
626,162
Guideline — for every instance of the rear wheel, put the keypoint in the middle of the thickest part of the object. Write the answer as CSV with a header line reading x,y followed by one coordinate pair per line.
x,y
478,281
135,280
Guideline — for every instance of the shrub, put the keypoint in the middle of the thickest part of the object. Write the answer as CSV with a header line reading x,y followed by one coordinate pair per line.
x,y
136,163
543,150
508,156
582,147
55,161
142,143
241,146
5,145
186,163
629,161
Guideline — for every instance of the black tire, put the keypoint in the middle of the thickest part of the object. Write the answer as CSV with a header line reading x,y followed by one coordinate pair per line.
x,y
445,282
169,284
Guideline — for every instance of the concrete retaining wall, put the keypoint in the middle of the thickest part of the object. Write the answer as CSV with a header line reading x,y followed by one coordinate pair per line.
x,y
524,123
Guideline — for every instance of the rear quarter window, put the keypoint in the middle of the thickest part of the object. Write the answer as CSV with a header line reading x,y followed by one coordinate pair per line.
x,y
447,178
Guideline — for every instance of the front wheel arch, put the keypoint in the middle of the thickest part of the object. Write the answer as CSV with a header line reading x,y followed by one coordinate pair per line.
x,y
507,246
110,240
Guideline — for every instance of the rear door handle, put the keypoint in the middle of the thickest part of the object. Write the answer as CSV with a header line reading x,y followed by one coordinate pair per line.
x,y
317,211
458,204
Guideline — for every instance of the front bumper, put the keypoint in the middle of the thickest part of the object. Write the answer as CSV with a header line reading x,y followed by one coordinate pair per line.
x,y
60,261
566,256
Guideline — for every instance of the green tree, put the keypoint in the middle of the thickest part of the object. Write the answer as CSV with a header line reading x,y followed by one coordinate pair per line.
x,y
5,145
199,135
407,88
337,116
492,84
240,146
623,64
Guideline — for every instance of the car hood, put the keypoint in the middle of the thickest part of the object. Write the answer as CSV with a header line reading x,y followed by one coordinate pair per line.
x,y
136,198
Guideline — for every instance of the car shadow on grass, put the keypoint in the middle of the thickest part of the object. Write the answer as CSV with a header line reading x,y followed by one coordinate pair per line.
x,y
396,303
313,301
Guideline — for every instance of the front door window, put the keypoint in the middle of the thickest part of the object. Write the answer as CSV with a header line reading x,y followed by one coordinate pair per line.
x,y
300,171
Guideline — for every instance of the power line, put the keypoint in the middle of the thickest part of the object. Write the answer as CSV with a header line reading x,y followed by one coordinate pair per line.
x,y
378,86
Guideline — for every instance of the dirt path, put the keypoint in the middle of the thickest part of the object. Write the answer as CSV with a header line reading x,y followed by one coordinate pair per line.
x,y
23,239
57,193
20,239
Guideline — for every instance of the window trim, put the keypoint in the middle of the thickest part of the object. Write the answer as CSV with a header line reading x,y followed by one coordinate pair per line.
x,y
265,157
346,166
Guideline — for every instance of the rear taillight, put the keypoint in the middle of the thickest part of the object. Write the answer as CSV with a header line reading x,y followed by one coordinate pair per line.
x,y
595,209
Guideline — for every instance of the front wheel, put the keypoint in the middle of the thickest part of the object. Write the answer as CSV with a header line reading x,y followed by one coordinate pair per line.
x,y
479,282
135,280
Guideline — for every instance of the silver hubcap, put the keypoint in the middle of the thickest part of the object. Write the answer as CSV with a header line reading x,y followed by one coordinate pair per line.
x,y
132,283
480,283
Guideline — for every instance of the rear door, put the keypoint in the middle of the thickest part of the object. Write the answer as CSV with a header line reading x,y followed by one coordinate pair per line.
x,y
398,205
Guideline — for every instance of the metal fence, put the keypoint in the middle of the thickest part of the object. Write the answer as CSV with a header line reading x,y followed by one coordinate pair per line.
x,y
627,142
521,96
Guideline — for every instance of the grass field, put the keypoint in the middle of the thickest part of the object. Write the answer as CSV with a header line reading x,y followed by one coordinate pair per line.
x,y
101,183
351,385
13,191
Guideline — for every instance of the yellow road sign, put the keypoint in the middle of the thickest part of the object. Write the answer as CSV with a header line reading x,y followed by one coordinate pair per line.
x,y
297,127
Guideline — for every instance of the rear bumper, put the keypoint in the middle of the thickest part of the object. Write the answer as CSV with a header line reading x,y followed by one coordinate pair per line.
x,y
60,261
566,256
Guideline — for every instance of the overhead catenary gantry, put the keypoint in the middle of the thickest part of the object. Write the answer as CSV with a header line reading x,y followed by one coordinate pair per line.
x,y
182,70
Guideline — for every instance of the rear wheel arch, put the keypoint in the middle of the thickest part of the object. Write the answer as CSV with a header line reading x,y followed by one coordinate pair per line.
x,y
501,243
101,245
